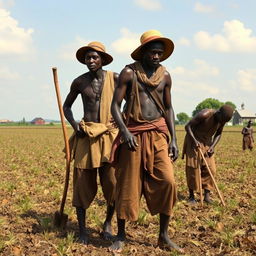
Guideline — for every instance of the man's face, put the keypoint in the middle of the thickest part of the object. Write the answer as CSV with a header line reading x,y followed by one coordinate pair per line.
x,y
221,117
153,53
93,60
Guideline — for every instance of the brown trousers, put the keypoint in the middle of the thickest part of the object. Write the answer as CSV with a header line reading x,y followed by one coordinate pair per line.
x,y
133,181
85,185
193,178
247,142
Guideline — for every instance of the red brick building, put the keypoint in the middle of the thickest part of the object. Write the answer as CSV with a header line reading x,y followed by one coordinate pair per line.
x,y
38,121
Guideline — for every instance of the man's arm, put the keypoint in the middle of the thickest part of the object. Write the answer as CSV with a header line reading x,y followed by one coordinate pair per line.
x,y
125,80
71,97
216,139
252,134
244,131
196,120
170,119
116,76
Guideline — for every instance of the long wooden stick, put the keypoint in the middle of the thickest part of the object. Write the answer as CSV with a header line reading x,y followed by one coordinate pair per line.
x,y
65,134
200,182
213,180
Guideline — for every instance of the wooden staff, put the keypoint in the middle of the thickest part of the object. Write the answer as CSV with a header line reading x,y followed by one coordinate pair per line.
x,y
60,219
213,180
200,182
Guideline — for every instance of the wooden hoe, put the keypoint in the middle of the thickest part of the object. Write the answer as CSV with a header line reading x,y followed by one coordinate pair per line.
x,y
60,218
213,180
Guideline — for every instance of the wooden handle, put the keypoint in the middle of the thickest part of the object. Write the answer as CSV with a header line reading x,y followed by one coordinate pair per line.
x,y
200,183
213,180
64,129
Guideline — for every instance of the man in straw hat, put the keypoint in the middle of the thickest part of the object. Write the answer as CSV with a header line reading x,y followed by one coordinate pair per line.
x,y
203,130
248,136
147,145
92,139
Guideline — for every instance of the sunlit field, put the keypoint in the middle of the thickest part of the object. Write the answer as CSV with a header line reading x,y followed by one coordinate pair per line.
x,y
32,168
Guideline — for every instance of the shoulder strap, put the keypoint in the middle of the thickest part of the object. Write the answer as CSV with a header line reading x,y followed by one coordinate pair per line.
x,y
155,96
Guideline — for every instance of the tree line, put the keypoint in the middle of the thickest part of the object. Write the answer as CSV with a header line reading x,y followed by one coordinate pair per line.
x,y
183,117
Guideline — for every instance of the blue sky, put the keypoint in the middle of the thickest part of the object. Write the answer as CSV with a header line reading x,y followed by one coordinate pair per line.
x,y
214,55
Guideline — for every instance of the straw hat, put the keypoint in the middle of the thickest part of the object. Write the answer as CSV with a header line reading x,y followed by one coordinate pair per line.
x,y
95,46
150,36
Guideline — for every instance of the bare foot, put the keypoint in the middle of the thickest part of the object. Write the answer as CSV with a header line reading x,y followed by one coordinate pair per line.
x,y
117,246
83,238
192,200
107,231
107,236
165,243
208,200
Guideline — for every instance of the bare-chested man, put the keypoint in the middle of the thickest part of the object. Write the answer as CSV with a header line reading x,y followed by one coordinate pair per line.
x,y
203,130
144,155
93,137
248,136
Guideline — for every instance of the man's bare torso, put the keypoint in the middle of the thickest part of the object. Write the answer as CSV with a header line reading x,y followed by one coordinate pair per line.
x,y
90,89
149,109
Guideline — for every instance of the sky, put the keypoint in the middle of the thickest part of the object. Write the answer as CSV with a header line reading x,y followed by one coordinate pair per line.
x,y
214,55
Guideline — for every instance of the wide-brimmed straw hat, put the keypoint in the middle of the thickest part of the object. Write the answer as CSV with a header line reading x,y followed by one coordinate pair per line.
x,y
95,46
150,36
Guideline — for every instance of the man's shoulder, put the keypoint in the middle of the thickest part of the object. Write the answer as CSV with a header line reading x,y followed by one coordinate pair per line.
x,y
81,77
203,115
127,72
79,80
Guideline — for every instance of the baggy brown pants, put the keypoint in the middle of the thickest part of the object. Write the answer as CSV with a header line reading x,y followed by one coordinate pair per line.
x,y
85,185
133,180
192,175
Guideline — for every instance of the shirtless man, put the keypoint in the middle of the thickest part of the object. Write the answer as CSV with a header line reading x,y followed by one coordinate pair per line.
x,y
92,139
144,153
248,136
203,130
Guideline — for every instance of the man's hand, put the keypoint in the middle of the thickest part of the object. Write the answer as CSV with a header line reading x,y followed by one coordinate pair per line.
x,y
113,123
173,151
80,132
197,143
130,140
210,151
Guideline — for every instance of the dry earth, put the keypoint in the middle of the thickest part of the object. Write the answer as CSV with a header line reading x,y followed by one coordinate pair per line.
x,y
32,168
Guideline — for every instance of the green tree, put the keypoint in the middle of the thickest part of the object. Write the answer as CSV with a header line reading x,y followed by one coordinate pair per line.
x,y
207,103
182,118
231,104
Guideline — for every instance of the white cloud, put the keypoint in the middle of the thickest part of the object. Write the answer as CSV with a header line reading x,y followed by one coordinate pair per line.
x,y
196,78
246,80
235,38
184,41
203,8
6,3
128,42
14,40
7,74
201,69
151,5
68,51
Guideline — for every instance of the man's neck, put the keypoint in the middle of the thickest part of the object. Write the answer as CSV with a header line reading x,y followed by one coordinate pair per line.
x,y
149,70
96,74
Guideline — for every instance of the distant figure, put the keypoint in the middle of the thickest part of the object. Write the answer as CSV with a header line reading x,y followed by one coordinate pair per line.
x,y
248,136
92,139
203,131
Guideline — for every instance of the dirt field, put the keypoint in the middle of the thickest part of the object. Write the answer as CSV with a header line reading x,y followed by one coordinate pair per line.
x,y
32,168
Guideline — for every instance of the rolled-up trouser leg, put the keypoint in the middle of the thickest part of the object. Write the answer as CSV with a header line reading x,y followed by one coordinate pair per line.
x,y
108,182
84,187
